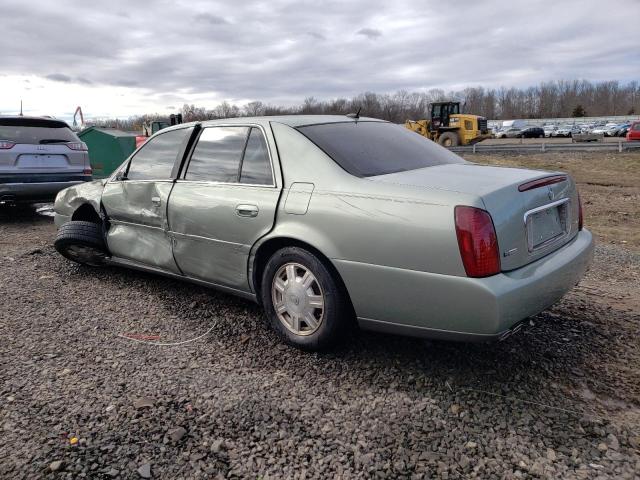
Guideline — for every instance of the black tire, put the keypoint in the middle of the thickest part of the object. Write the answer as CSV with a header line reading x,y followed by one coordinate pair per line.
x,y
82,242
449,139
337,314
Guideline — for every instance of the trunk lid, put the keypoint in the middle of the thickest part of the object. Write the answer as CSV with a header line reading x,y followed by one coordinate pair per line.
x,y
529,224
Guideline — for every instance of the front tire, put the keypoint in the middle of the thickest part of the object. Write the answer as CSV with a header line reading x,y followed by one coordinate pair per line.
x,y
449,139
82,242
305,305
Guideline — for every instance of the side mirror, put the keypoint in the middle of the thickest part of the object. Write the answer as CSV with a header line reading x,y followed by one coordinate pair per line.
x,y
120,176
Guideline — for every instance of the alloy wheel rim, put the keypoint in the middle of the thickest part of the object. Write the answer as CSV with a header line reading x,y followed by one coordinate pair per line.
x,y
298,299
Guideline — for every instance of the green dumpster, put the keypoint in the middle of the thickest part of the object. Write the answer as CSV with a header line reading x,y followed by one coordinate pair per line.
x,y
108,148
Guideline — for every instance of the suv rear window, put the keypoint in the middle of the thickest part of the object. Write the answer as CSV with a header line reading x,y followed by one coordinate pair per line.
x,y
367,149
35,131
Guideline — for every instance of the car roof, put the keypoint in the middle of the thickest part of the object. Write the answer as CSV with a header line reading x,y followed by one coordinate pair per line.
x,y
22,120
290,120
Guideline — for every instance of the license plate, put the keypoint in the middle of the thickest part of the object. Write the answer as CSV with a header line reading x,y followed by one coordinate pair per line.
x,y
546,225
40,161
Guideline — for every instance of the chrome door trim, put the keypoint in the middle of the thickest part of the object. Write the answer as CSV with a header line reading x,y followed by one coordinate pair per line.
x,y
122,222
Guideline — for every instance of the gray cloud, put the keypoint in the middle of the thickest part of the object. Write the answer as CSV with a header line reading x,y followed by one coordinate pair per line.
x,y
211,19
58,77
371,33
271,50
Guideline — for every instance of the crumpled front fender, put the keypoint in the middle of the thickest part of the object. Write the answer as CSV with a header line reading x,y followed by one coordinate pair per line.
x,y
69,199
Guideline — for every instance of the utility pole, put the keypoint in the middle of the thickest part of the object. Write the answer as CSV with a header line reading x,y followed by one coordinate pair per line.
x,y
21,107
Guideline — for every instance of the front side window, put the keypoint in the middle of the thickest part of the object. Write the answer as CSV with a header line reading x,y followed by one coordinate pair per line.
x,y
155,159
217,155
367,149
256,168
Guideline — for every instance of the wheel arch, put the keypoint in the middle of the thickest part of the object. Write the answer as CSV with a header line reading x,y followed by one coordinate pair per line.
x,y
87,213
266,249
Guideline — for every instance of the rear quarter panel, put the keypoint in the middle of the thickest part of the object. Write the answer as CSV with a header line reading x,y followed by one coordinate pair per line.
x,y
359,220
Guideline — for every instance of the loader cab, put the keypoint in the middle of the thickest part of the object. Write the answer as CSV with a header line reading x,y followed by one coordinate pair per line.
x,y
440,113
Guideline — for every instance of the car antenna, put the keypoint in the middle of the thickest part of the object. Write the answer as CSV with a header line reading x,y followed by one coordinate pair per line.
x,y
355,115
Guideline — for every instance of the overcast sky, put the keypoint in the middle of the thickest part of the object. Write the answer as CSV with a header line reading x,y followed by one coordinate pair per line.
x,y
119,58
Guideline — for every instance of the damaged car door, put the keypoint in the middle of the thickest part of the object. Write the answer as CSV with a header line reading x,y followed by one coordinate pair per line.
x,y
222,204
135,201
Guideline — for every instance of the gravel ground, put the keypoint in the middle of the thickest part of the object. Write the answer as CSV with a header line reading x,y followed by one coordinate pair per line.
x,y
559,400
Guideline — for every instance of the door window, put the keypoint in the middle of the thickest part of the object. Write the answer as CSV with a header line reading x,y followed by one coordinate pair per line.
x,y
256,168
155,159
217,155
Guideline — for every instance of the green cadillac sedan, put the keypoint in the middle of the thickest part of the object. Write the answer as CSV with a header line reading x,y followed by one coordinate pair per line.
x,y
331,221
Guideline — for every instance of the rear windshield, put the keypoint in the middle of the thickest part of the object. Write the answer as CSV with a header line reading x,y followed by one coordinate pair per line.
x,y
367,149
35,131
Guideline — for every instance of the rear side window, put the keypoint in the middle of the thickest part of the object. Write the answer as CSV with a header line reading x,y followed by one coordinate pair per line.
x,y
367,149
35,131
155,159
217,155
256,168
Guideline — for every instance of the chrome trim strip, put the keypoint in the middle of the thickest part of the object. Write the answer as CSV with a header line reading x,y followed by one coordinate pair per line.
x,y
206,239
131,224
528,213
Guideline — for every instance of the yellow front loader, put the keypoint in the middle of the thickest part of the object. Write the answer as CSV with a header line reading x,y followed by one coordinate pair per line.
x,y
449,127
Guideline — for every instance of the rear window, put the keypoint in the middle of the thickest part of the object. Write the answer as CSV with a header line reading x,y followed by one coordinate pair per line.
x,y
35,131
367,149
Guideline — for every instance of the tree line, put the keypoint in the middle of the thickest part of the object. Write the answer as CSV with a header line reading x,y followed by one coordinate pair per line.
x,y
564,98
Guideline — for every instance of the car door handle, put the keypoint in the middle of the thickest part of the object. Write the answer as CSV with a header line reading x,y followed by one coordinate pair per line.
x,y
247,210
155,200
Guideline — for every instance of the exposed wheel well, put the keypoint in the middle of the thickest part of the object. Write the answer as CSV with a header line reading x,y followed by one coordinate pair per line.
x,y
86,213
271,246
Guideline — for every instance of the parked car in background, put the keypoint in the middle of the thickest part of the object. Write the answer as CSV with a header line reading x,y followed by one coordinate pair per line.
x,y
601,130
634,132
532,132
566,131
38,158
548,130
512,132
621,130
302,214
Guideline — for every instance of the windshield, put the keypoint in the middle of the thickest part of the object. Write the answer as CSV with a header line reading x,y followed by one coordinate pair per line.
x,y
35,131
367,149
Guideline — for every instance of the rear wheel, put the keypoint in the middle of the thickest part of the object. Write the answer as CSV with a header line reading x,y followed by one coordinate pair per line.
x,y
82,242
305,304
449,139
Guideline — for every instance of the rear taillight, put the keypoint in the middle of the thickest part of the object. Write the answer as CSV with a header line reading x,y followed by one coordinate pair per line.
x,y
87,171
77,146
580,217
477,241
6,145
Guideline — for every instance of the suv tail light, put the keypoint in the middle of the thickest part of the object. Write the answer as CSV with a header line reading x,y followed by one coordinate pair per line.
x,y
580,217
87,171
477,241
77,146
6,145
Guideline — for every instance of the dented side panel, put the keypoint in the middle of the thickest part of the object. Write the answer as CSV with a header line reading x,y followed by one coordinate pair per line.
x,y
138,225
